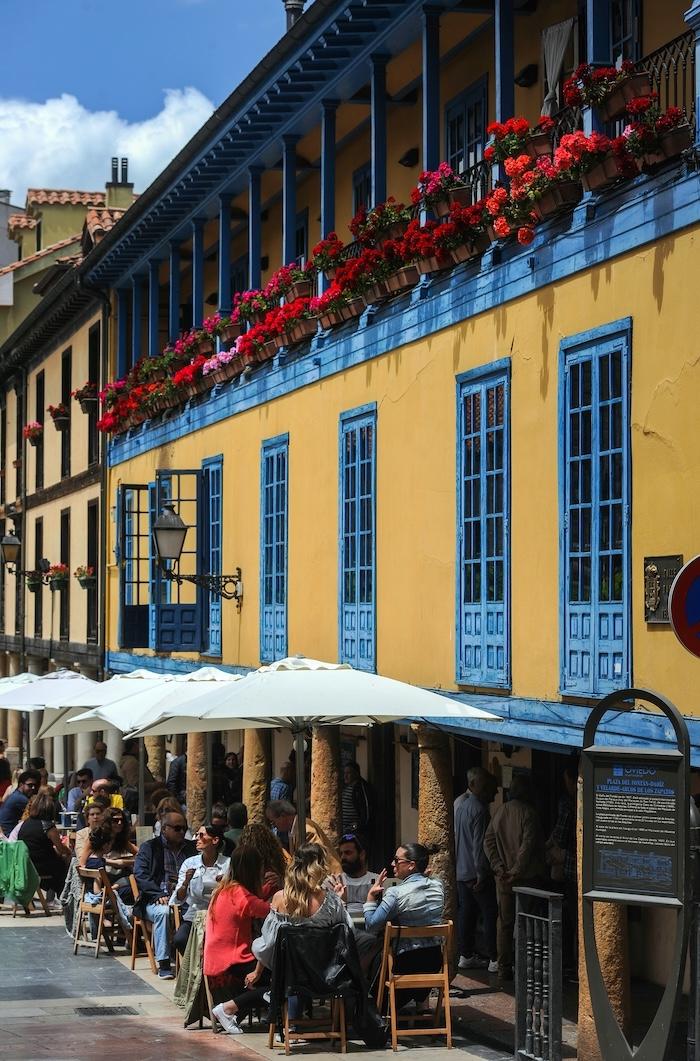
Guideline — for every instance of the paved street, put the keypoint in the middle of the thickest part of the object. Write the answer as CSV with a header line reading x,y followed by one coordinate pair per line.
x,y
65,1008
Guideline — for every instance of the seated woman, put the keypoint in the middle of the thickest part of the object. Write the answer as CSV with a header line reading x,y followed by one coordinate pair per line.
x,y
303,899
273,855
49,856
198,879
119,857
236,903
93,816
417,900
99,841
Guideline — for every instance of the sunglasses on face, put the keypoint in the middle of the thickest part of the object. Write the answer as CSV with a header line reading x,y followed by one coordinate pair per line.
x,y
176,828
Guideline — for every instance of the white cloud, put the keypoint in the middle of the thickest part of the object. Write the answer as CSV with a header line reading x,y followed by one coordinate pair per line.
x,y
60,144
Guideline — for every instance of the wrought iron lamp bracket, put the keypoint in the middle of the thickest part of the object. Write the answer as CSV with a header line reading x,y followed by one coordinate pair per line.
x,y
230,587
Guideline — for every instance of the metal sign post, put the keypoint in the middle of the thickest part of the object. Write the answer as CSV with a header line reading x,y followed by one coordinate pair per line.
x,y
636,842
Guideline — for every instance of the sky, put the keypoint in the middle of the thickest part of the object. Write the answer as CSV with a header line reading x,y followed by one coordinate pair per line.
x,y
83,80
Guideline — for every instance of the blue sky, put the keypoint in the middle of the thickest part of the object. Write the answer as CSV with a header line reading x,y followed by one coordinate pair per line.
x,y
81,80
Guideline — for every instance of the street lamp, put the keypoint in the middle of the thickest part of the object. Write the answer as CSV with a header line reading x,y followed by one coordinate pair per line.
x,y
10,550
169,533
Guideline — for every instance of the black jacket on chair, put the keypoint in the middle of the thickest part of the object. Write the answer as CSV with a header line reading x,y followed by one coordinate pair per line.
x,y
322,962
149,869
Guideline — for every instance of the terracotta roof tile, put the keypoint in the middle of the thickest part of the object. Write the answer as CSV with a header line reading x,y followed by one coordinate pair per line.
x,y
40,254
52,196
20,221
98,222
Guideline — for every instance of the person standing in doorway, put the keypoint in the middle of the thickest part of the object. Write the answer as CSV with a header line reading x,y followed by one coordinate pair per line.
x,y
177,778
476,888
356,802
514,843
103,769
282,786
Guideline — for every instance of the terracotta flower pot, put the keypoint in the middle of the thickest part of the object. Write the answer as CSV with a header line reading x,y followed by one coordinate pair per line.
x,y
442,208
538,144
395,231
281,341
631,87
653,158
377,291
467,252
676,140
329,273
432,264
602,174
230,332
461,196
355,307
636,85
561,195
300,289
403,278
304,329
331,319
268,351
205,347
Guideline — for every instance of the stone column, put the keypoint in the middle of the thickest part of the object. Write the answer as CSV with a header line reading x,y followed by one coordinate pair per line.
x,y
14,721
113,739
36,747
325,781
84,749
155,746
435,808
196,779
257,761
613,953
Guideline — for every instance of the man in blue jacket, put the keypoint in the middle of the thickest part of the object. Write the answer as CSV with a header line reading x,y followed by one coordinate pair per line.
x,y
156,869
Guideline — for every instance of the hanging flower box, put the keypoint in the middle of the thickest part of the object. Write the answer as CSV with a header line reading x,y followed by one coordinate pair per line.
x,y
34,581
85,576
467,252
300,289
394,231
331,319
377,291
281,341
228,370
266,351
615,103
425,266
231,330
59,574
60,414
87,397
403,278
560,195
33,432
354,307
205,346
304,329
540,143
442,207
460,195
676,140
602,174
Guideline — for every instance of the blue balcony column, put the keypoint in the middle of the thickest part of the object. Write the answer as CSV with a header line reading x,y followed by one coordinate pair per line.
x,y
197,271
289,198
378,128
153,307
254,227
598,51
431,87
137,286
174,293
692,17
225,255
329,108
122,331
504,37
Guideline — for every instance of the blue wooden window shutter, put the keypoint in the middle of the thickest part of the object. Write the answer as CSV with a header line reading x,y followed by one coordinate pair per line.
x,y
357,540
180,609
483,531
595,501
133,534
212,469
274,488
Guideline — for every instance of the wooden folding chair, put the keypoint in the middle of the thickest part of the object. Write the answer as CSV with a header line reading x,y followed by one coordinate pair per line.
x,y
38,897
95,880
391,981
140,925
306,1028
177,921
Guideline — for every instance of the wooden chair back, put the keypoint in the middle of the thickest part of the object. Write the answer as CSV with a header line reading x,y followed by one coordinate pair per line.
x,y
391,981
95,880
141,927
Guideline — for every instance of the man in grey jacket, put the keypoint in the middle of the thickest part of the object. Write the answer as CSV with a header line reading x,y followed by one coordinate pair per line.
x,y
476,889
514,843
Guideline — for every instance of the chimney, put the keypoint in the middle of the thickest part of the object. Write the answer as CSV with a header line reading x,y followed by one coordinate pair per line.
x,y
5,195
294,9
120,193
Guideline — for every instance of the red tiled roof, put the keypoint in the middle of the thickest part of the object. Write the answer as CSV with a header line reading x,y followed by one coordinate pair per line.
x,y
52,196
20,221
40,254
98,222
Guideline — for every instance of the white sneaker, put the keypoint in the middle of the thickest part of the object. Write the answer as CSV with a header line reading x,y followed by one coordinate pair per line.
x,y
227,1021
493,966
474,961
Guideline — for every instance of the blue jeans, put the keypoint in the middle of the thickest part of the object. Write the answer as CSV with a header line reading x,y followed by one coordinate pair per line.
x,y
159,916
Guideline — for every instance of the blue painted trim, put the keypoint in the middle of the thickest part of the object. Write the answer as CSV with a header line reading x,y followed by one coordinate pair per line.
x,y
174,293
328,133
270,448
504,34
431,87
254,227
368,409
197,272
378,127
598,51
136,317
289,198
122,332
224,292
124,662
213,606
153,300
493,368
692,17
624,220
570,349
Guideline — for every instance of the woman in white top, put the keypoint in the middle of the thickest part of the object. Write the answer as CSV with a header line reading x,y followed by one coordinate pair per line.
x,y
198,877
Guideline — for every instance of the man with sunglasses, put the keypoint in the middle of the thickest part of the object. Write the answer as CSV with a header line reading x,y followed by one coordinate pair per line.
x,y
13,808
156,868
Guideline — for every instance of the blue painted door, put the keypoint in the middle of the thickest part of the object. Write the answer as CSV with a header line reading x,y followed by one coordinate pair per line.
x,y
483,636
179,623
595,552
133,537
273,549
357,540
212,482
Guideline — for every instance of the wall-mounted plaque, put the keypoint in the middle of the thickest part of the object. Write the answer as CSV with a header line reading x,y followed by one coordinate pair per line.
x,y
659,573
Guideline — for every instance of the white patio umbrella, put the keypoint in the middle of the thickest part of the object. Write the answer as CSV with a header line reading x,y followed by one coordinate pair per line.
x,y
100,695
46,691
296,693
13,680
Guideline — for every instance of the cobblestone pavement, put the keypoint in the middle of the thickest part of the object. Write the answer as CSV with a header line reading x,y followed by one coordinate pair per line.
x,y
61,1007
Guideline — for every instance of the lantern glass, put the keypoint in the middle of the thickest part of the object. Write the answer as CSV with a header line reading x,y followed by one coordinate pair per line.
x,y
169,533
9,549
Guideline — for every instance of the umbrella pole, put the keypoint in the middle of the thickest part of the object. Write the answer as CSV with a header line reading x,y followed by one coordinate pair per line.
x,y
210,779
301,786
65,770
142,781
